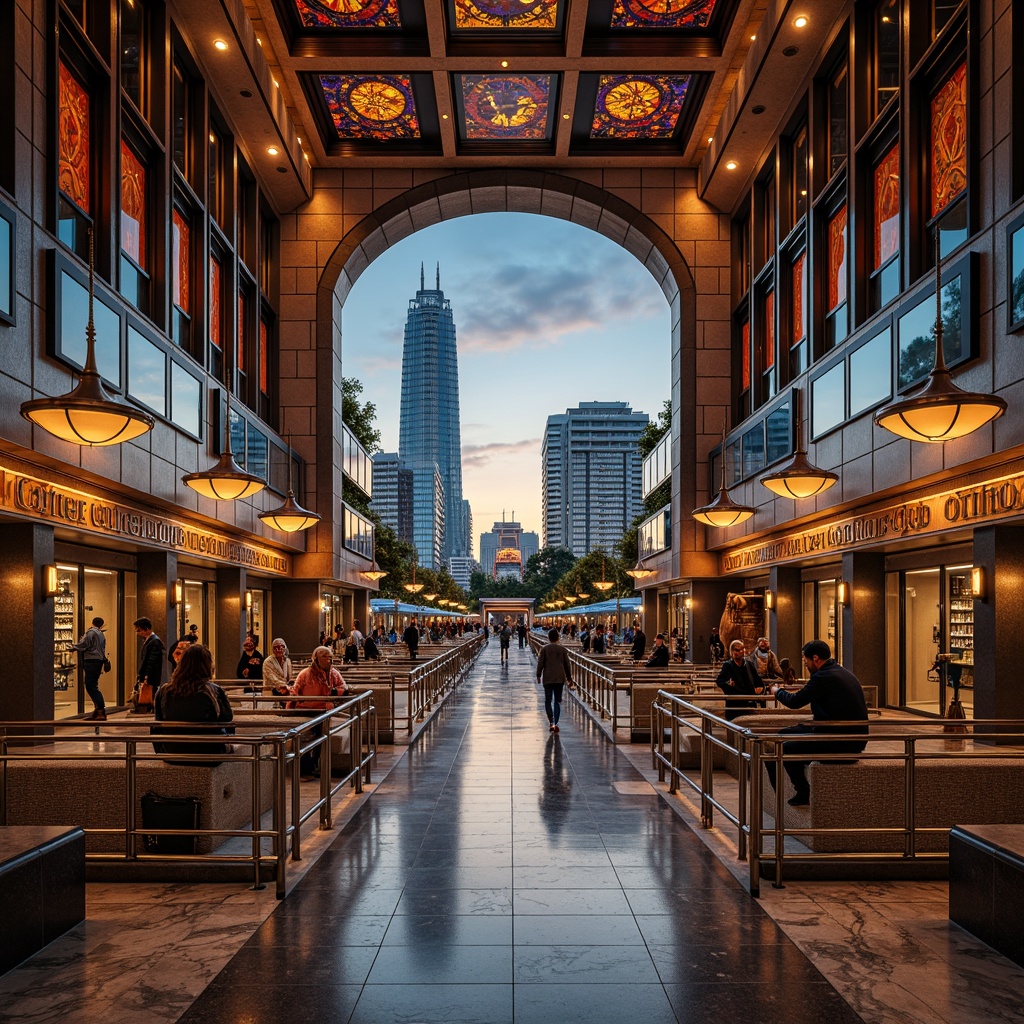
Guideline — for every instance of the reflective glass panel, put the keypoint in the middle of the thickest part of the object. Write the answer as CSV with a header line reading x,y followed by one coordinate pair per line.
x,y
6,267
1016,257
777,432
256,457
837,94
916,334
871,373
131,49
147,372
74,315
800,175
887,52
753,450
186,400
828,400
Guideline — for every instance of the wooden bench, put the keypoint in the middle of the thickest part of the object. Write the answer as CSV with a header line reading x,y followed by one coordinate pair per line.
x,y
871,794
42,888
986,885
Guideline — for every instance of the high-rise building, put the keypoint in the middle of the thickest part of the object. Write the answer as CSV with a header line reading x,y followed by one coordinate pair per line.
x,y
460,567
428,510
591,475
504,535
392,493
429,430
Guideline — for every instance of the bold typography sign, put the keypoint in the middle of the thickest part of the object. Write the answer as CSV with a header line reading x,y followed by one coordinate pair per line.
x,y
973,505
60,505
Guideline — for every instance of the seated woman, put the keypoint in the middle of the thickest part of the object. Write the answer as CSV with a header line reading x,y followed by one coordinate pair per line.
x,y
191,696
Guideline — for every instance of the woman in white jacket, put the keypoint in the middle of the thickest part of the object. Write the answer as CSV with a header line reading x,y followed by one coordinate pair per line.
x,y
277,669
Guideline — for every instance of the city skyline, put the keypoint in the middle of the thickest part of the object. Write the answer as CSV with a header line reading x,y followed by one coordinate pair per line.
x,y
534,338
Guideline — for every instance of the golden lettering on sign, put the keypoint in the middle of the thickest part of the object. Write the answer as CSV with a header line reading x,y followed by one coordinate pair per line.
x,y
973,505
40,500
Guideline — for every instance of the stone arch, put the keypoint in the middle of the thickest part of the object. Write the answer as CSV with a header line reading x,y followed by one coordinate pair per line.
x,y
515,191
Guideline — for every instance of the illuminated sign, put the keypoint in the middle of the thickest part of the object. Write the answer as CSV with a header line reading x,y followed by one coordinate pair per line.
x,y
65,506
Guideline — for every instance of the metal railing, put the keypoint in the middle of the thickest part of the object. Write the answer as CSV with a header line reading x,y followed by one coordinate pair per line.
x,y
905,741
280,748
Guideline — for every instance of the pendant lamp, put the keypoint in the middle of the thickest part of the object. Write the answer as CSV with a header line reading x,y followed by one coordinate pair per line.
x,y
88,414
798,478
291,516
638,572
939,410
602,584
723,511
414,587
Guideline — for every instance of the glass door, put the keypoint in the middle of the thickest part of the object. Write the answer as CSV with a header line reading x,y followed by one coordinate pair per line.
x,y
922,641
99,598
67,676
958,671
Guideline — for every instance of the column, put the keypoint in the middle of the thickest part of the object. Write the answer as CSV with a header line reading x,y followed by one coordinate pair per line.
x,y
157,572
863,622
785,621
999,551
231,620
28,616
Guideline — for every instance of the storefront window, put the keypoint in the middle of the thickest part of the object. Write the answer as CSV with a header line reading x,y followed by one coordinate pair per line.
x,y
255,617
922,640
66,677
821,615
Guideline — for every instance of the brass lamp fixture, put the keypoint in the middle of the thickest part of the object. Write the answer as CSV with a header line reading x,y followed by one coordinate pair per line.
x,y
429,597
374,574
939,410
291,516
723,511
798,478
583,595
88,414
225,480
414,587
638,572
602,584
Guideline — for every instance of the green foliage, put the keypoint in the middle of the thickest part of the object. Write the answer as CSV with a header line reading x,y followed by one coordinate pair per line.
x,y
355,498
483,585
543,570
359,418
656,430
580,578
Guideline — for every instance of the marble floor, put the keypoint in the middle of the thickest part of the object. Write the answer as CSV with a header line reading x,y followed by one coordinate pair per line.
x,y
503,873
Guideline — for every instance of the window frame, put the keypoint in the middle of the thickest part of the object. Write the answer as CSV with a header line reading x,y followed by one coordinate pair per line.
x,y
9,317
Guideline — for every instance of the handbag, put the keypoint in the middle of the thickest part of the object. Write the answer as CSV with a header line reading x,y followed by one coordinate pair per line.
x,y
145,694
106,665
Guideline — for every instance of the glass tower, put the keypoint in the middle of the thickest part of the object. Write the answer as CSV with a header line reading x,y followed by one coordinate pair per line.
x,y
429,430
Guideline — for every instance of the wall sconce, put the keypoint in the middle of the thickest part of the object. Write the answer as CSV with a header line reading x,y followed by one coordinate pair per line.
x,y
176,594
688,603
248,600
843,592
51,586
769,598
978,583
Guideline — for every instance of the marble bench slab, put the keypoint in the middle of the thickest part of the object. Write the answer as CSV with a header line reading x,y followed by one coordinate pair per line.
x,y
42,887
986,885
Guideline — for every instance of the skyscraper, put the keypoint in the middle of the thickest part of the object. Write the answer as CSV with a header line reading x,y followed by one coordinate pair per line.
x,y
591,475
429,429
506,534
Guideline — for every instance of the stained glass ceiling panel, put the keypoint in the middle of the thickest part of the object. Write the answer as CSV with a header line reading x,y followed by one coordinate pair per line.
x,y
662,14
348,13
638,106
506,107
506,14
377,107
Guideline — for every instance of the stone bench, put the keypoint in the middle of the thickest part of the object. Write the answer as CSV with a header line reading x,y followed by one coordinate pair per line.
x,y
91,795
871,794
42,888
986,885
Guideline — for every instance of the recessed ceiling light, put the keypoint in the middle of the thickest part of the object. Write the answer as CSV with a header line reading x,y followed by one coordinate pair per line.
x,y
444,117
800,21
504,63
259,42
277,84
219,44
565,117
711,139
273,150
298,140
753,37
731,165
213,138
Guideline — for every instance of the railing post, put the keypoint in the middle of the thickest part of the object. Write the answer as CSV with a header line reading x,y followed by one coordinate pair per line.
x,y
673,780
909,808
755,819
355,745
131,841
742,780
296,743
280,805
326,816
257,814
707,811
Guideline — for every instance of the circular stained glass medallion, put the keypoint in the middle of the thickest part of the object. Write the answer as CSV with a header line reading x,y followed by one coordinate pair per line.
x,y
377,100
633,100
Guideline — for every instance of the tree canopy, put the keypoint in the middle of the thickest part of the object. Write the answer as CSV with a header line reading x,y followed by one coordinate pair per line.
x,y
361,419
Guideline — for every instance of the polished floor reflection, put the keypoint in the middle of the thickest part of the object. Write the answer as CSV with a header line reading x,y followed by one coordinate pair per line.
x,y
505,873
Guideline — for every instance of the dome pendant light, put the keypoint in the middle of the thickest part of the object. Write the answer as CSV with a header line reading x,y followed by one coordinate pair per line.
x,y
723,511
88,414
602,584
291,516
798,478
939,410
226,480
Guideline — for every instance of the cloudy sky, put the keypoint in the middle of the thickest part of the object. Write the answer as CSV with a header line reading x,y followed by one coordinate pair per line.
x,y
547,315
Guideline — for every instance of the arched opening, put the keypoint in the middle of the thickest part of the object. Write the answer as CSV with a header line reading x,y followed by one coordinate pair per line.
x,y
514,191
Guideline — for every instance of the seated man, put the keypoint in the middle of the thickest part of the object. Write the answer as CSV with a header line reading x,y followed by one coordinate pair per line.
x,y
659,653
738,677
835,695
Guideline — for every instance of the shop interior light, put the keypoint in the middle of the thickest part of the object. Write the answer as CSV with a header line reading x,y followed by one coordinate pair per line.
x,y
88,414
51,585
769,598
688,603
177,593
602,584
798,478
978,583
939,410
291,516
843,592
723,511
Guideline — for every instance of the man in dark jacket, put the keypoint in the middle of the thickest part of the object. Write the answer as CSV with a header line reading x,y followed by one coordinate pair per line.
x,y
554,671
151,666
411,639
738,677
835,695
659,653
